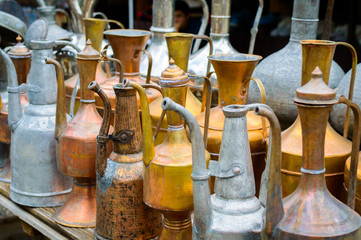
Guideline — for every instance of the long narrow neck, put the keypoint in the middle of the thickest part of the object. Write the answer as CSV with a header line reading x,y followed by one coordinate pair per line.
x,y
48,13
220,18
87,70
127,129
178,95
304,20
163,16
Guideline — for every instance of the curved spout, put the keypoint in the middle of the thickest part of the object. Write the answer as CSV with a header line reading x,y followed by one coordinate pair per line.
x,y
61,122
14,112
148,144
102,138
274,211
201,195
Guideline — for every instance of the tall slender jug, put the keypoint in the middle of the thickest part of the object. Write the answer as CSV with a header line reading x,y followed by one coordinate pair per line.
x,y
337,148
36,181
311,212
76,143
234,73
128,46
179,47
281,71
167,185
233,211
121,213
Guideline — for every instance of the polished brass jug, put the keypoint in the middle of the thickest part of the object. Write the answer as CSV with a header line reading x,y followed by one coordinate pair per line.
x,y
311,212
337,148
179,47
121,213
168,166
234,73
128,46
76,143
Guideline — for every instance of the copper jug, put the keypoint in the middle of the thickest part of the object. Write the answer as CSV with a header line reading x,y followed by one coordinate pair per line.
x,y
179,47
21,56
281,71
128,46
167,185
337,148
311,212
234,73
76,143
94,29
121,213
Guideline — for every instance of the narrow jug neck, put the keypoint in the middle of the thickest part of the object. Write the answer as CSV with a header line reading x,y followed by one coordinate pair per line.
x,y
87,71
163,16
220,18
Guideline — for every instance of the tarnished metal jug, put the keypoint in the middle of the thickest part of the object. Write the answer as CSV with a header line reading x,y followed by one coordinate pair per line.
x,y
233,211
76,143
121,213
179,47
128,46
94,29
311,212
162,23
234,73
281,71
337,148
167,185
36,180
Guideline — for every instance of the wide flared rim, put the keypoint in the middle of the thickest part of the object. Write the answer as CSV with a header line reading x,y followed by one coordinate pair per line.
x,y
232,57
127,32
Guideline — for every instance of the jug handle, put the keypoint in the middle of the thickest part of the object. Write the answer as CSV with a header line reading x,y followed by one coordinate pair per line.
x,y
150,64
204,24
107,68
1,103
210,41
105,58
355,150
263,101
254,29
116,22
206,105
59,10
352,84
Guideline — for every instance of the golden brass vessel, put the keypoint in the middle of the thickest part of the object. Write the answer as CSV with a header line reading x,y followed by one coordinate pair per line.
x,y
179,47
311,212
76,143
337,148
168,167
94,28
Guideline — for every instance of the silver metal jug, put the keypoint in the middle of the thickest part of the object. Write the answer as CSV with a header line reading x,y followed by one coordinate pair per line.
x,y
233,211
36,180
281,71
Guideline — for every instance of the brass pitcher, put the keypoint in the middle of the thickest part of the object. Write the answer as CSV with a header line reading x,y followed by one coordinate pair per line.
x,y
168,167
121,213
179,47
76,143
94,29
128,46
234,73
337,148
311,212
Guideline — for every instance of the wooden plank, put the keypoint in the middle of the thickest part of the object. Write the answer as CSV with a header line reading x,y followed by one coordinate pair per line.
x,y
31,220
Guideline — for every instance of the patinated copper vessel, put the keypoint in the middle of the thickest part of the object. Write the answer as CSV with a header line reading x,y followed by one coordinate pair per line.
x,y
94,29
76,143
311,212
121,213
128,46
179,47
168,167
234,73
337,148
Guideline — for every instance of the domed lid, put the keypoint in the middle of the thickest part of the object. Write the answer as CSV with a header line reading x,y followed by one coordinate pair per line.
x,y
19,49
89,53
315,92
173,75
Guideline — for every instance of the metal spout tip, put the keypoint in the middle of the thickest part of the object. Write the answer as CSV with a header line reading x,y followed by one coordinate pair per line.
x,y
166,103
94,86
126,82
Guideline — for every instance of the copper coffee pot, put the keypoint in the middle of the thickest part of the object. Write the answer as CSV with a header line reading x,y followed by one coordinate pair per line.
x,y
128,46
337,148
94,28
168,167
76,143
311,212
179,47
234,73
121,213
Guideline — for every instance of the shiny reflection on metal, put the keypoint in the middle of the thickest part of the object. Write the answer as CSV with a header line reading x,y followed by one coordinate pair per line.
x,y
10,27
